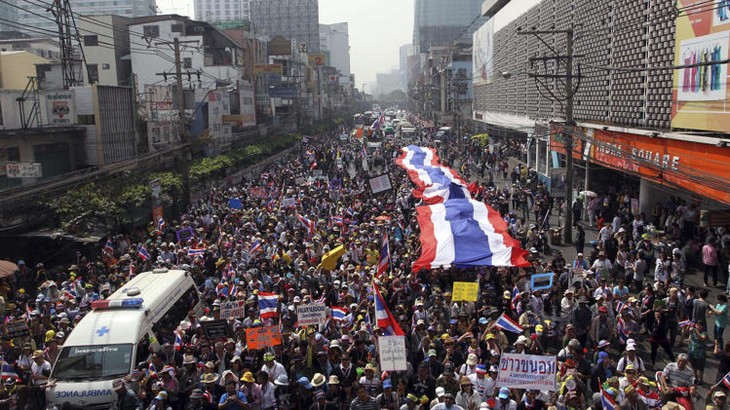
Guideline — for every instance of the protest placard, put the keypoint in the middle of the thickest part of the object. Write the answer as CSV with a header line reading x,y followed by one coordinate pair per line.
x,y
465,291
262,337
235,203
289,203
312,314
392,353
233,309
17,329
520,371
216,329
540,281
258,192
184,234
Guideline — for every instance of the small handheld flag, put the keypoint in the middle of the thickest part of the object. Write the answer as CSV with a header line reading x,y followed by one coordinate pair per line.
x,y
506,323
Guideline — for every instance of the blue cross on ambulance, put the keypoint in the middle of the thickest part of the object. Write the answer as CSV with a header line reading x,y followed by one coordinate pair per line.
x,y
118,333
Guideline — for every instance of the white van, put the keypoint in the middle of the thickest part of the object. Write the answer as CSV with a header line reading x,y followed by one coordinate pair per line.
x,y
117,334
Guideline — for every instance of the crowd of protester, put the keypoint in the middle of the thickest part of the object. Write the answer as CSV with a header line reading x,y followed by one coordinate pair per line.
x,y
605,317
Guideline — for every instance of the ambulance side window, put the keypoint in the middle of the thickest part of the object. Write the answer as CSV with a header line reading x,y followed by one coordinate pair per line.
x,y
143,350
178,311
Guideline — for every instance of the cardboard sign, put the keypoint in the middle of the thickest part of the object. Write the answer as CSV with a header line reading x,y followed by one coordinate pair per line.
x,y
184,234
380,183
235,203
217,329
465,291
263,337
392,353
258,192
289,203
17,329
312,314
540,281
520,371
235,309
157,214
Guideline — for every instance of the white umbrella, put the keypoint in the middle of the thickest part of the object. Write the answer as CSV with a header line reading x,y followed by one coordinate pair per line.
x,y
588,193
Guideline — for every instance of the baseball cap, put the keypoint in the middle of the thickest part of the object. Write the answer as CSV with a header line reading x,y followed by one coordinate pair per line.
x,y
503,393
440,391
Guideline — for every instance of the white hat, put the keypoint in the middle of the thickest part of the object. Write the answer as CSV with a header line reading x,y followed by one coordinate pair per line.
x,y
440,391
521,340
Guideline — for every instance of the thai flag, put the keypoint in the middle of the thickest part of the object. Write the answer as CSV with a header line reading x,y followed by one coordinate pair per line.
x,y
685,323
620,306
516,296
621,330
506,323
350,212
232,289
109,247
434,183
384,259
383,317
464,233
313,166
307,223
726,380
607,401
193,252
364,152
8,372
178,341
268,305
142,253
337,220
265,175
161,224
255,247
338,313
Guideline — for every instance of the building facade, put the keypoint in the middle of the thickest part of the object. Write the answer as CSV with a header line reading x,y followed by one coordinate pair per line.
x,y
335,40
440,23
215,11
106,46
297,20
34,14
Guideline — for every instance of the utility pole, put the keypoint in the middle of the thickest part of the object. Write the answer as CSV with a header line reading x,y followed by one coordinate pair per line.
x,y
569,120
183,156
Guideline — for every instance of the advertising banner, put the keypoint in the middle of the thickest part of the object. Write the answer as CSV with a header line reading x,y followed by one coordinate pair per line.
x,y
24,170
482,53
60,105
700,94
218,106
700,168
268,68
248,105
162,117
311,314
521,371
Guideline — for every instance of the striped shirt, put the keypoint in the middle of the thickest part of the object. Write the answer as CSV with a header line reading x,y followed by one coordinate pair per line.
x,y
370,404
678,378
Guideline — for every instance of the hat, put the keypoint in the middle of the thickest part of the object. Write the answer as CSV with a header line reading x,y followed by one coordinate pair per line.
x,y
503,393
50,335
370,367
333,380
432,353
521,340
412,398
574,343
318,379
209,378
718,393
268,356
471,359
603,343
481,369
507,294
210,365
387,384
491,336
190,359
631,347
483,321
440,391
161,395
281,380
464,381
304,382
117,384
493,368
37,354
602,356
629,367
196,394
248,377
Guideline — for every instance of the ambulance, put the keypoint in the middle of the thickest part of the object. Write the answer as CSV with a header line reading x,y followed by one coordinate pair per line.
x,y
118,333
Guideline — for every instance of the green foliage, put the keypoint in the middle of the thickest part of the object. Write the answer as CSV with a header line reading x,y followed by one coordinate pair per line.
x,y
169,182
134,195
79,210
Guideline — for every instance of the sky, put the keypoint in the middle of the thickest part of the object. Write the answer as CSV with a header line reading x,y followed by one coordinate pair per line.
x,y
377,28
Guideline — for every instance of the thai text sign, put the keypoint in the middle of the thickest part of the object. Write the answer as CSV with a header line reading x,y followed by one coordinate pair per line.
x,y
311,314
392,353
465,291
521,371
263,337
233,309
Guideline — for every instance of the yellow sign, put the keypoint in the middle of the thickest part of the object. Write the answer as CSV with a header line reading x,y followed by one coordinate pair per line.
x,y
317,59
465,291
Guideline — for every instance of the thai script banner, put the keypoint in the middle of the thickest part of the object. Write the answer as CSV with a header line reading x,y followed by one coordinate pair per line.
x,y
521,371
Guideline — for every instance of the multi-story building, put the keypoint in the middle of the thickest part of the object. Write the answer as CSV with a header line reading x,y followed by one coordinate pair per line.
x,y
106,44
34,14
642,129
215,11
440,23
297,20
335,40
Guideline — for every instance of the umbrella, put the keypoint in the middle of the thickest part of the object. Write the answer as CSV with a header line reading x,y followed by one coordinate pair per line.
x,y
383,218
7,268
588,193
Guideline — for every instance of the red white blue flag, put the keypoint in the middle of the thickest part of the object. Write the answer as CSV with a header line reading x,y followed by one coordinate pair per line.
x,y
142,253
268,305
506,323
307,223
338,313
434,182
384,259
384,319
464,232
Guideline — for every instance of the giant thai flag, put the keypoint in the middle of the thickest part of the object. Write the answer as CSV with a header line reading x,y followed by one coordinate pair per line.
x,y
267,305
464,232
435,183
383,317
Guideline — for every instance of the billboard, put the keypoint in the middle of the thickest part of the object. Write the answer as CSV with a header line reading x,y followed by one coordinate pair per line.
x,y
60,105
218,106
248,105
162,117
482,53
318,59
700,91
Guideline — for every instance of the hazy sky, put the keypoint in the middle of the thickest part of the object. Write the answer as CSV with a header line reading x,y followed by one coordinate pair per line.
x,y
378,28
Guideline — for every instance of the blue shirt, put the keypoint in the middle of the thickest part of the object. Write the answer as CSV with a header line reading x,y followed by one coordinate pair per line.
x,y
241,397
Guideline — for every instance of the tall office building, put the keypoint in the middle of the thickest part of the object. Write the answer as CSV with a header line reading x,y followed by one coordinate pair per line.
x,y
294,19
335,39
8,12
44,20
439,23
215,11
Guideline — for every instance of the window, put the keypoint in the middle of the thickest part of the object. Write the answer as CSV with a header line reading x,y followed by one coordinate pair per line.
x,y
91,40
164,328
176,28
105,66
151,31
187,62
94,361
13,154
93,71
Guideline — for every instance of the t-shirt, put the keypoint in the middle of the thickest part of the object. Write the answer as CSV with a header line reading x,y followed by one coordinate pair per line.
x,y
240,396
699,310
721,317
676,377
